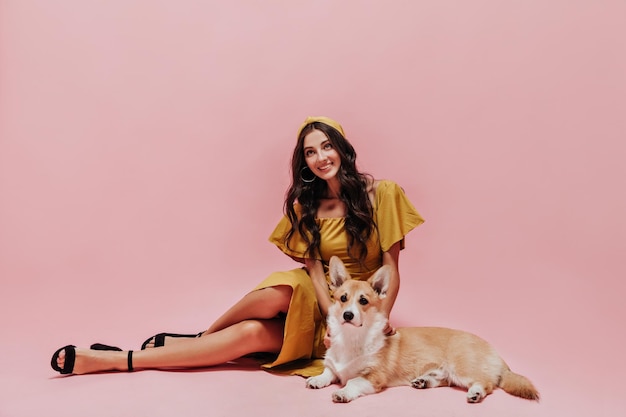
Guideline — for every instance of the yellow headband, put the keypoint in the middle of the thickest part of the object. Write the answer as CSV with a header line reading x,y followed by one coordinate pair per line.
x,y
322,119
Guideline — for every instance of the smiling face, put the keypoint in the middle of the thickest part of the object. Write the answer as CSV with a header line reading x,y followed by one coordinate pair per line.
x,y
320,155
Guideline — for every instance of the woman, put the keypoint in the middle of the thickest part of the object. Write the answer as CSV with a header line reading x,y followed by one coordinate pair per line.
x,y
331,209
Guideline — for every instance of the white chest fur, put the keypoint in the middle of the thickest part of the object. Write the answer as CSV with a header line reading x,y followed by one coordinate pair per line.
x,y
353,348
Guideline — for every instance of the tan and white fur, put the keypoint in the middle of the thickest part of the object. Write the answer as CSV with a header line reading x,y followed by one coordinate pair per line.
x,y
364,361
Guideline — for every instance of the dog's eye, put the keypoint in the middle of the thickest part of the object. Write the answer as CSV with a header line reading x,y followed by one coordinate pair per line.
x,y
344,298
363,301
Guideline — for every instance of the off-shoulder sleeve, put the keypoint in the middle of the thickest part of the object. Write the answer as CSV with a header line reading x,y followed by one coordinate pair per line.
x,y
297,246
395,215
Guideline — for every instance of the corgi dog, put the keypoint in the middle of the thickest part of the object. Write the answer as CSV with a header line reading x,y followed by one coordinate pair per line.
x,y
364,361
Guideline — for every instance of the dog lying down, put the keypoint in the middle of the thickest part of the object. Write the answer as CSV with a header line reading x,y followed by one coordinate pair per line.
x,y
365,361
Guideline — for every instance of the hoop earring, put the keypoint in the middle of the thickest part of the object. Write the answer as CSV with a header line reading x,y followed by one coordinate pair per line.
x,y
307,180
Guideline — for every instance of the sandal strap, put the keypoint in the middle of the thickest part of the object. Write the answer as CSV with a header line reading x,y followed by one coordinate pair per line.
x,y
70,357
159,339
130,361
100,346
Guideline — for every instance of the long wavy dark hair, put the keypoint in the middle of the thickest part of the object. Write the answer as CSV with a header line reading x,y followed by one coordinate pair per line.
x,y
359,221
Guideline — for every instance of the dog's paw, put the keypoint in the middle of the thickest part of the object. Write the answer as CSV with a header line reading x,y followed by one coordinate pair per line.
x,y
475,394
322,380
341,396
431,379
419,383
316,382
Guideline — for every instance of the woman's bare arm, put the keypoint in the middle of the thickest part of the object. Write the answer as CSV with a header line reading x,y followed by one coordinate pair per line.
x,y
391,258
316,272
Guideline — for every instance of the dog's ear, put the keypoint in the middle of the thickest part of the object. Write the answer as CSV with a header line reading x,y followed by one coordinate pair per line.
x,y
380,280
337,272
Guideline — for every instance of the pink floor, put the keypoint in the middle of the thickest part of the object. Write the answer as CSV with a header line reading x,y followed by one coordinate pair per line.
x,y
569,351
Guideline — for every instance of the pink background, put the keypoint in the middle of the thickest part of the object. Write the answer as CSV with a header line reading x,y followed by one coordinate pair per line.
x,y
144,150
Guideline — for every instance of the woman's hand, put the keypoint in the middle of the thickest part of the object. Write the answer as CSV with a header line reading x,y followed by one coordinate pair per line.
x,y
389,330
327,339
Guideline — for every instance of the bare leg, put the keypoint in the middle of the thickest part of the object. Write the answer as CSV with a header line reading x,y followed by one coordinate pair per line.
x,y
213,349
265,303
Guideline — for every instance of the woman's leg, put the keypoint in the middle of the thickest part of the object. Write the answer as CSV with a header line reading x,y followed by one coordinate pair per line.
x,y
265,303
233,342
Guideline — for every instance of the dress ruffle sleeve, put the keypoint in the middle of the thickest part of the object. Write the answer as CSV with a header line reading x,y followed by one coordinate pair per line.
x,y
297,246
395,215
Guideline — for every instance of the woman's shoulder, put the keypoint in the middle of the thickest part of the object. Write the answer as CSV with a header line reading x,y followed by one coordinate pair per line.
x,y
378,188
297,207
382,185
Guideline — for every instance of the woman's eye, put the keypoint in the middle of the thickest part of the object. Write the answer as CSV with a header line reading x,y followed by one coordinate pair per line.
x,y
363,301
308,153
344,298
328,146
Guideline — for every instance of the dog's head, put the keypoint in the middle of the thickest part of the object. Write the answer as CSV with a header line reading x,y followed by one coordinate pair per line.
x,y
356,302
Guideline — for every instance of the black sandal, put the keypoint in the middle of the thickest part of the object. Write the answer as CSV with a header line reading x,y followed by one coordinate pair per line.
x,y
70,357
159,339
100,346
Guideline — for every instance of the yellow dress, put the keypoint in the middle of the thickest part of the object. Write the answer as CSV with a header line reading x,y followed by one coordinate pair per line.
x,y
303,346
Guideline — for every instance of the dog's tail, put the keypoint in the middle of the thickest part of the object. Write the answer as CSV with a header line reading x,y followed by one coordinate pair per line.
x,y
518,385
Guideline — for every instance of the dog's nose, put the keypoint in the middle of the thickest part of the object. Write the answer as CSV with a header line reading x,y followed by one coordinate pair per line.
x,y
348,315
